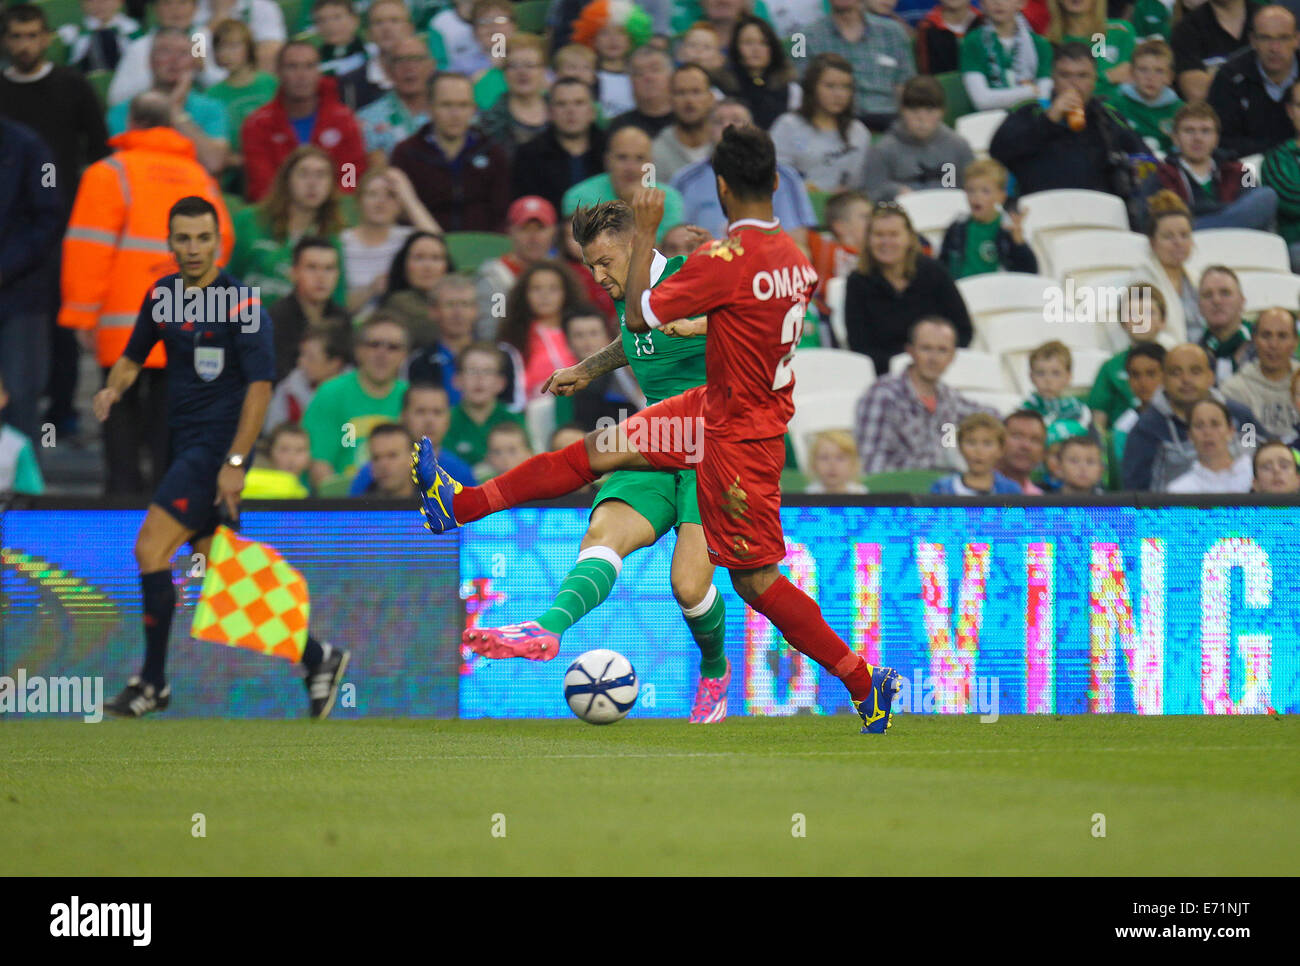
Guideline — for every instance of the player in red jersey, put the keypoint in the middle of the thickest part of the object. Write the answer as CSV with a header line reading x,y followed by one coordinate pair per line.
x,y
754,286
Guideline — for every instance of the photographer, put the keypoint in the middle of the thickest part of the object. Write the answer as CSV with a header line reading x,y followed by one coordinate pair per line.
x,y
1076,142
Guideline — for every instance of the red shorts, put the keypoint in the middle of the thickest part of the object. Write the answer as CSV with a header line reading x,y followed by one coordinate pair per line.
x,y
738,481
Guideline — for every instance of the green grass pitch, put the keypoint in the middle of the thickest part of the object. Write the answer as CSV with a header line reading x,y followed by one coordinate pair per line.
x,y
937,795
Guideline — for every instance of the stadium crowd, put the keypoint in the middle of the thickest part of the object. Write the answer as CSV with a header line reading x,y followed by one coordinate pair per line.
x,y
396,178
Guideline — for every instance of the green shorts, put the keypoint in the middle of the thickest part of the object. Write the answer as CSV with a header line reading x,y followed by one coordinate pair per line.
x,y
666,499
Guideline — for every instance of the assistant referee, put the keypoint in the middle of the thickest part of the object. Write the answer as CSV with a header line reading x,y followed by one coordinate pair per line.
x,y
220,365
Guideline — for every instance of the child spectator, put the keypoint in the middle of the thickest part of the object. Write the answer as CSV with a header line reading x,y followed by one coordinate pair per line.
x,y
322,355
390,464
1050,367
836,254
1144,367
991,239
243,91
19,471
1216,470
338,30
981,438
1081,465
1003,61
1275,469
613,31
98,41
1143,318
918,151
480,378
940,34
535,310
289,455
1148,102
1057,433
507,447
835,464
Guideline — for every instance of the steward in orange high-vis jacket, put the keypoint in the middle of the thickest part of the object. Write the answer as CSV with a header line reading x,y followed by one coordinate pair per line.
x,y
116,244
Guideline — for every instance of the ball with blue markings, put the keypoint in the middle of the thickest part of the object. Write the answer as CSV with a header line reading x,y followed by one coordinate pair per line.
x,y
601,686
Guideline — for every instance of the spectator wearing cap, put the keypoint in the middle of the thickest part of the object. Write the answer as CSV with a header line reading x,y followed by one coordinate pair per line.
x,y
461,177
626,156
530,223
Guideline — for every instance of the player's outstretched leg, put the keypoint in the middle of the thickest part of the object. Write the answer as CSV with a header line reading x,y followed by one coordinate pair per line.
x,y
616,530
798,618
323,664
446,505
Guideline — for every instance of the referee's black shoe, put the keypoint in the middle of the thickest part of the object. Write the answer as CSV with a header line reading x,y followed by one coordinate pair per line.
x,y
138,699
324,679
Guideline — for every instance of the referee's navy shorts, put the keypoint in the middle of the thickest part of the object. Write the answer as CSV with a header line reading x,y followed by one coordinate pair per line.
x,y
188,490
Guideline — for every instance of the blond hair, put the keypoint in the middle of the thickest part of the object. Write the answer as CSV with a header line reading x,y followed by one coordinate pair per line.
x,y
978,421
841,439
1055,349
986,168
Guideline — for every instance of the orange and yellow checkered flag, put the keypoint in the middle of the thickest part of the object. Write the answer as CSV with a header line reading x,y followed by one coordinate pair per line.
x,y
252,598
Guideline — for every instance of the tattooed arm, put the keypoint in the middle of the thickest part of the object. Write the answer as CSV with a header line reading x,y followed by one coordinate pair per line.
x,y
566,382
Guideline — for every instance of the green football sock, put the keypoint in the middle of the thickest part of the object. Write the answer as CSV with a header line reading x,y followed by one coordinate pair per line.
x,y
583,589
708,623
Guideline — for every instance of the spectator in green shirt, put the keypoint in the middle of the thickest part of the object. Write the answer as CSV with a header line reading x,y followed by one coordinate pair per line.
x,y
304,200
1149,103
244,90
1081,21
346,408
480,378
989,240
628,151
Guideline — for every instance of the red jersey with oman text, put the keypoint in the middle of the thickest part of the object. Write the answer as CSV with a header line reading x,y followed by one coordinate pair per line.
x,y
754,285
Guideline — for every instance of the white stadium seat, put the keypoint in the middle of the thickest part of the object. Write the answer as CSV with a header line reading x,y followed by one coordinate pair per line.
x,y
1050,213
1266,289
931,211
835,299
817,411
1241,249
1090,254
1000,292
539,417
1003,403
978,129
831,370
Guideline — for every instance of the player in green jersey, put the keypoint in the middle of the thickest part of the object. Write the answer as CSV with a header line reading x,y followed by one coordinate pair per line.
x,y
634,508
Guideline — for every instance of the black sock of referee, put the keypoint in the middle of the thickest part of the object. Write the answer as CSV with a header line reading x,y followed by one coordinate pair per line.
x,y
313,653
159,598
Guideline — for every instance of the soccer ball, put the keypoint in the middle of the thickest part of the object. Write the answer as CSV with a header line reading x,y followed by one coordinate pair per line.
x,y
601,686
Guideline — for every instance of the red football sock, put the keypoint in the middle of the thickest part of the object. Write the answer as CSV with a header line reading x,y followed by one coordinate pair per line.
x,y
541,477
797,616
